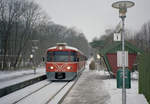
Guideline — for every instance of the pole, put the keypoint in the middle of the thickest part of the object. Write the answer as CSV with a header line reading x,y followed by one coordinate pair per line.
x,y
2,64
122,6
123,61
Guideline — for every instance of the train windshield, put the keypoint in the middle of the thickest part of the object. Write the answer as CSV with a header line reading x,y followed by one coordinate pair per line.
x,y
61,56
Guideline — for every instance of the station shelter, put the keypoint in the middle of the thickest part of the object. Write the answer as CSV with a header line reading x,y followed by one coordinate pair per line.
x,y
109,55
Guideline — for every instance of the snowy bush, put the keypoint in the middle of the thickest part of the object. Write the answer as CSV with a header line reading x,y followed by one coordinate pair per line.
x,y
92,65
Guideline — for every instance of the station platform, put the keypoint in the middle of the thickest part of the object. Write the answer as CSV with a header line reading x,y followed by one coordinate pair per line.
x,y
14,80
95,87
8,78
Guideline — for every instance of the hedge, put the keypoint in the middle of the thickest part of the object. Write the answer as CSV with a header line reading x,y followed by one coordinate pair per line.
x,y
144,75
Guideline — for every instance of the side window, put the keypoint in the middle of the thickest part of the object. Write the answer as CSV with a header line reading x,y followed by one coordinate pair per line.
x,y
73,56
49,56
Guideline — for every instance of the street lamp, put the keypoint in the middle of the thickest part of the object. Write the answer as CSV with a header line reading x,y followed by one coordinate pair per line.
x,y
122,6
31,56
31,59
98,56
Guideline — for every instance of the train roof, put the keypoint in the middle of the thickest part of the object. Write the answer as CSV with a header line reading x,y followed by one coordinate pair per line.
x,y
66,47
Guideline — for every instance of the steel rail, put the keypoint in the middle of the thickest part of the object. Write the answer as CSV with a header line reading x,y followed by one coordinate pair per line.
x,y
32,93
57,92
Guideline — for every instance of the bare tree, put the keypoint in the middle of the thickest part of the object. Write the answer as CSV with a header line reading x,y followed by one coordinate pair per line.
x,y
17,20
21,23
142,37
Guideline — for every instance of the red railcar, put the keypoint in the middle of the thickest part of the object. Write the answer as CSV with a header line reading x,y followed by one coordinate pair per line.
x,y
64,62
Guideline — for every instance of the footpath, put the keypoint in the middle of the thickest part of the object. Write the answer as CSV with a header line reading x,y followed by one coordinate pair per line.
x,y
95,87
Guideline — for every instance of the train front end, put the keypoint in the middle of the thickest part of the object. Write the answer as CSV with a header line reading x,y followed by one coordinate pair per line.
x,y
61,64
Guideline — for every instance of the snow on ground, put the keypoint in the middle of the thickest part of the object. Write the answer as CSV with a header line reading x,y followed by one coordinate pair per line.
x,y
8,78
60,95
116,94
96,87
19,94
89,89
43,95
4,75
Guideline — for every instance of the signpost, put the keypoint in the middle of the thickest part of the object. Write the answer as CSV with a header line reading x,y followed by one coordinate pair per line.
x,y
122,6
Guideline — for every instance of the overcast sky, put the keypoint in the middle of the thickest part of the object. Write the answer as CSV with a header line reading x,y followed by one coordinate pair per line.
x,y
93,17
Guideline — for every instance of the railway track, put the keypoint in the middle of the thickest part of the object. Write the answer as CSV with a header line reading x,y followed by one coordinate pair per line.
x,y
57,94
43,92
36,90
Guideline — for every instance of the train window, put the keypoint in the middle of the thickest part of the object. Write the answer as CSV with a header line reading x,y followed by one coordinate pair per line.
x,y
73,56
60,56
49,56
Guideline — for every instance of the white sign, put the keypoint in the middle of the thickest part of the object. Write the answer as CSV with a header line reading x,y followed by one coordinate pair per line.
x,y
122,58
117,37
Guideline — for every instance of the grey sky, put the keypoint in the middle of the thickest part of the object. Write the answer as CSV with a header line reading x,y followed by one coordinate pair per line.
x,y
93,17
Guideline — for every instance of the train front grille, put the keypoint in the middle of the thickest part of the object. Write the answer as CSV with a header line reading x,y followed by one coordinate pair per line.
x,y
60,75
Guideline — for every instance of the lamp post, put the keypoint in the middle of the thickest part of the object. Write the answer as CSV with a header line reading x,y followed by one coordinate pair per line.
x,y
31,56
122,6
31,59
98,57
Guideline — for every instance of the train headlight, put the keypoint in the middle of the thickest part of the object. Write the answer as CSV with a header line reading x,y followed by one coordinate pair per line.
x,y
60,48
51,67
68,67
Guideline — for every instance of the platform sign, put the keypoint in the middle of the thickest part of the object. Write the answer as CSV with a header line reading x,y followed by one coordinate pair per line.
x,y
117,37
122,60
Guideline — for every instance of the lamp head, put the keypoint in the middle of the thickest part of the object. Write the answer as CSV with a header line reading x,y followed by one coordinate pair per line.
x,y
122,6
31,56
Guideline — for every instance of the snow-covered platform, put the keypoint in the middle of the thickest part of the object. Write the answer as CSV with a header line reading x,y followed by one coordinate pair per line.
x,y
10,78
95,87
116,94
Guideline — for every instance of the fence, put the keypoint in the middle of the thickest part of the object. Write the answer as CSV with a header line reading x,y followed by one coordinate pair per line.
x,y
144,75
